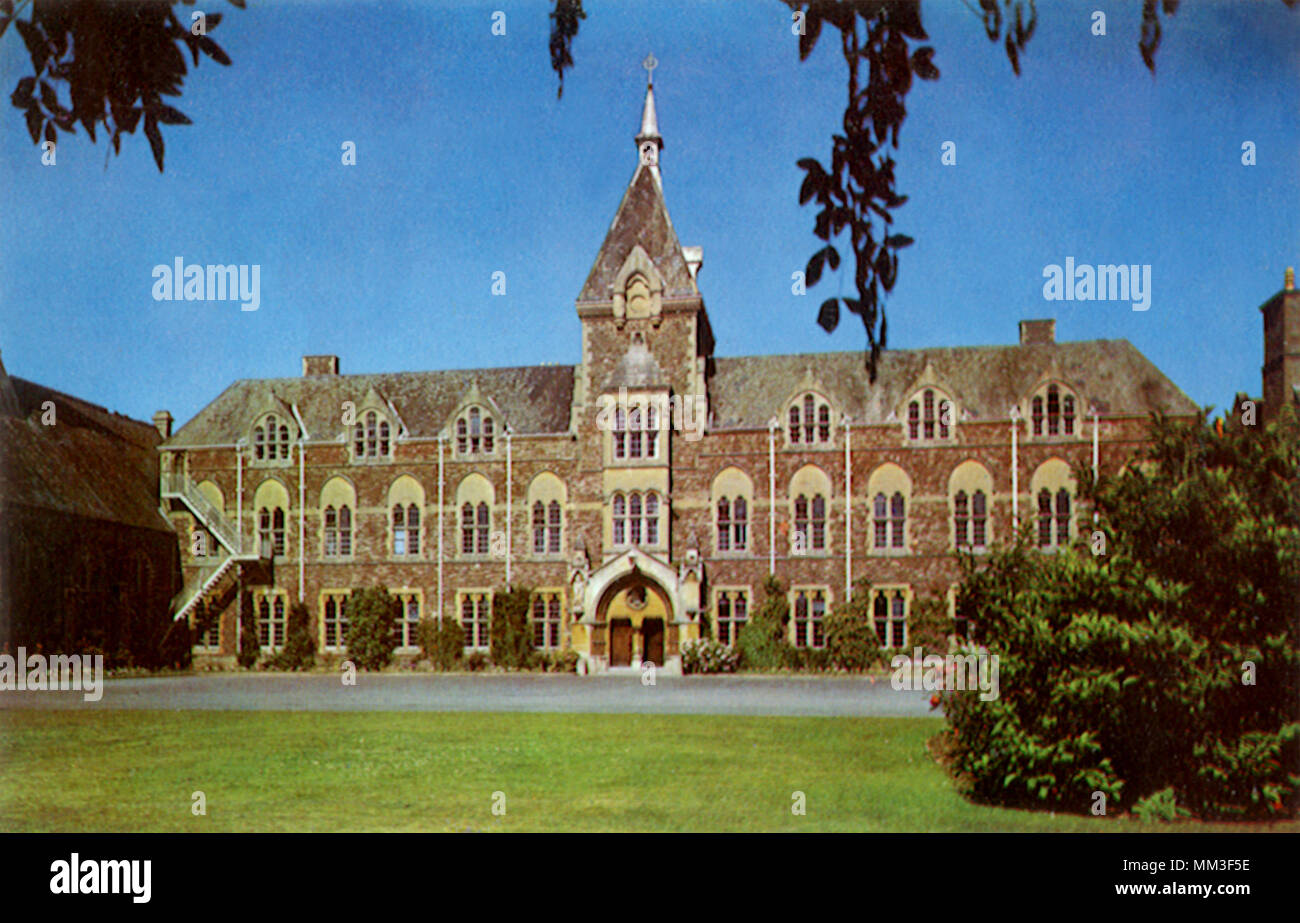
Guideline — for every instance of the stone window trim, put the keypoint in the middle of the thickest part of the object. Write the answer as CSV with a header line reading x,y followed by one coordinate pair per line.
x,y
809,607
333,620
406,629
732,609
931,416
891,610
474,612
271,441
809,422
1055,414
372,438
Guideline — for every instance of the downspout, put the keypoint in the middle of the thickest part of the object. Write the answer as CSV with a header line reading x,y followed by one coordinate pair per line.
x,y
1095,456
509,501
302,515
848,509
771,494
239,492
440,514
1015,471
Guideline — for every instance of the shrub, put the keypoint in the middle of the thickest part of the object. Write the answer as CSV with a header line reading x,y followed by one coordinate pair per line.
x,y
565,661
708,656
510,633
299,652
372,618
1125,672
762,643
851,640
475,661
442,641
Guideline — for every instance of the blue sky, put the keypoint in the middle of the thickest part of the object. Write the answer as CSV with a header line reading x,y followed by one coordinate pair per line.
x,y
468,164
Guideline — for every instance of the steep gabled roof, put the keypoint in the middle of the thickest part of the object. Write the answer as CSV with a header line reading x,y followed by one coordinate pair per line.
x,y
533,399
642,218
984,380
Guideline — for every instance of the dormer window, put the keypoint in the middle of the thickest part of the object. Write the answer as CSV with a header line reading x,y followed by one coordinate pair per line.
x,y
809,421
475,433
271,439
370,437
1052,412
930,416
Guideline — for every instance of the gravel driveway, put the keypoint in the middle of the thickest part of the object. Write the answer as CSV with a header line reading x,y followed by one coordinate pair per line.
x,y
698,695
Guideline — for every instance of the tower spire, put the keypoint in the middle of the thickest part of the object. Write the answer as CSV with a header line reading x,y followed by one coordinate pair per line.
x,y
648,141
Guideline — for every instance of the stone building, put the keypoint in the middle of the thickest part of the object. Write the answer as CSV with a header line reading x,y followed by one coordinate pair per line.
x,y
87,560
646,492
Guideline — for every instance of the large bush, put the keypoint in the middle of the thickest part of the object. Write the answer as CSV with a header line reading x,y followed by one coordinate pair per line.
x,y
851,640
372,618
442,641
511,632
1166,670
250,645
762,643
299,652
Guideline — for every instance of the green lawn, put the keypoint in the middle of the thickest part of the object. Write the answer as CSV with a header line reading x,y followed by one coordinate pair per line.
x,y
330,771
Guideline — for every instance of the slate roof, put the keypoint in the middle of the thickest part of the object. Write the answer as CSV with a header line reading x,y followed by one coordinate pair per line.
x,y
642,218
91,462
984,380
531,399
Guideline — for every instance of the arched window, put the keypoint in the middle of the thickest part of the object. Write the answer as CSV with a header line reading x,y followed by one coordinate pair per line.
x,y
483,529
961,518
1044,518
371,437
1062,517
277,530
331,517
475,432
809,618
898,620
730,494
818,523
539,528
546,621
635,518
897,519
475,616
553,523
880,616
270,439
733,613
620,520
809,420
979,519
929,416
406,529
467,528
635,425
739,524
345,530
1053,411
801,517
620,433
880,515
724,524
271,624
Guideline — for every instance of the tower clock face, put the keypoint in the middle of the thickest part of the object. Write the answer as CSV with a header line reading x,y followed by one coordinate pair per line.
x,y
648,153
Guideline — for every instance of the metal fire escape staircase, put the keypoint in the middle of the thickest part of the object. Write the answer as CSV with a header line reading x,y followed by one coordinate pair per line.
x,y
214,578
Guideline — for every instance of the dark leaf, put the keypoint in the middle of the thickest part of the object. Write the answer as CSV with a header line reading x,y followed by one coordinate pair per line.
x,y
923,63
828,315
22,95
169,116
898,241
49,97
34,120
237,3
812,28
155,140
213,50
35,43
833,257
813,271
51,135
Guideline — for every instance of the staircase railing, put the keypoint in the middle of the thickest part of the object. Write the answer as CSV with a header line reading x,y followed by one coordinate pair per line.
x,y
178,484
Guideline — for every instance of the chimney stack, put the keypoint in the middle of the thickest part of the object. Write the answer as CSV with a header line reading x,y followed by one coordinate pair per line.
x,y
320,365
162,421
1288,281
1038,332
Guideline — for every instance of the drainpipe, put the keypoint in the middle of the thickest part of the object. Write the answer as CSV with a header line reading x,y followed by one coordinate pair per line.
x,y
848,508
239,491
302,514
440,514
1015,470
509,500
1095,446
771,493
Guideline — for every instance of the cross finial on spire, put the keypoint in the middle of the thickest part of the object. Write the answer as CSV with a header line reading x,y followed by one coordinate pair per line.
x,y
650,64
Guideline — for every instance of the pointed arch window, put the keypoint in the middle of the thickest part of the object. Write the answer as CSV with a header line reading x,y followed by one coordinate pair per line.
x,y
890,515
270,530
546,621
406,529
929,416
371,437
809,421
635,518
475,432
270,439
1054,412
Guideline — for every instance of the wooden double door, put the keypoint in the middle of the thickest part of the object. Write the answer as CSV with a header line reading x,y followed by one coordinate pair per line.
x,y
621,633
